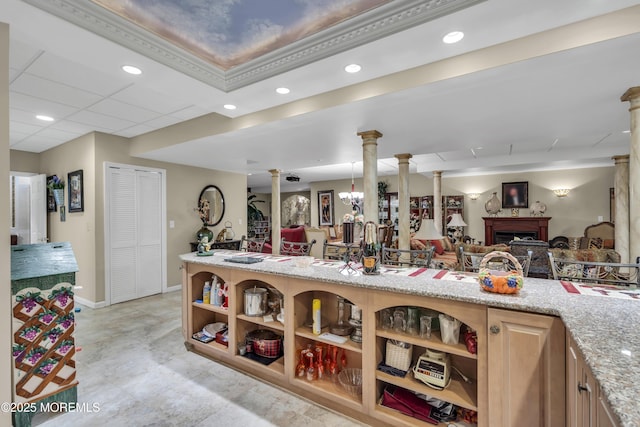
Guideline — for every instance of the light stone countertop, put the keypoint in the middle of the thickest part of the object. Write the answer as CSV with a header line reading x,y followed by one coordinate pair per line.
x,y
605,329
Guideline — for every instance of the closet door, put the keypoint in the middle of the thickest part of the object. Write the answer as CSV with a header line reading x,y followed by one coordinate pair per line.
x,y
123,232
149,271
135,241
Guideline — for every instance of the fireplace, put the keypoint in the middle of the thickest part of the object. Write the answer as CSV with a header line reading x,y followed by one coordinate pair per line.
x,y
505,229
504,237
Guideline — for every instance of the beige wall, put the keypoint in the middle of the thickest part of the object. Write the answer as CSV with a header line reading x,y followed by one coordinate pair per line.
x,y
24,161
6,390
588,199
85,230
79,228
184,184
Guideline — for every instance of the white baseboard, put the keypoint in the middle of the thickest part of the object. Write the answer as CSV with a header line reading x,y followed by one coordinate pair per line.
x,y
90,304
173,288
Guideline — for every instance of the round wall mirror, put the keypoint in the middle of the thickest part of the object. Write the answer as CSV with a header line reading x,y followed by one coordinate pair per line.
x,y
215,199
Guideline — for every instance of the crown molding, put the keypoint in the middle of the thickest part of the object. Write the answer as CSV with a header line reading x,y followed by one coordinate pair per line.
x,y
372,25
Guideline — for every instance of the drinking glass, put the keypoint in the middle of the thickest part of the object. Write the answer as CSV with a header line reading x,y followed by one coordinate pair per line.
x,y
425,326
399,321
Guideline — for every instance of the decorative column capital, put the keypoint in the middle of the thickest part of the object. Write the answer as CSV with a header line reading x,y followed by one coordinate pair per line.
x,y
369,136
632,95
621,159
437,174
403,158
274,172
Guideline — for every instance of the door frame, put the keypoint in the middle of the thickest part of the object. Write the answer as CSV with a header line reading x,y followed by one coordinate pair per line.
x,y
107,226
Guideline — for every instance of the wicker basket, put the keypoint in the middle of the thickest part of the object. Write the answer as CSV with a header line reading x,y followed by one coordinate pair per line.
x,y
398,355
500,282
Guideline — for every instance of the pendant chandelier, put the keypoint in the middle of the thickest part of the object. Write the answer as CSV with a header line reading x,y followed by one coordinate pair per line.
x,y
353,198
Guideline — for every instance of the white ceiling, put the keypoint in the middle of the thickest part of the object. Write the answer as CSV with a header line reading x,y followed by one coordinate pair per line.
x,y
514,112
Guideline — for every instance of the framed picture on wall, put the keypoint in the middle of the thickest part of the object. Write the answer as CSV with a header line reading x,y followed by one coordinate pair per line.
x,y
515,195
51,201
325,207
76,191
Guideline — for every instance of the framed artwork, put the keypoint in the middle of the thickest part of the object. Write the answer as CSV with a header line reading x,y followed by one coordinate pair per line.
x,y
325,207
51,201
76,191
515,195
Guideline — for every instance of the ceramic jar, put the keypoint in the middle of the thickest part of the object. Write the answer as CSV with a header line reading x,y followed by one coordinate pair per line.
x,y
538,209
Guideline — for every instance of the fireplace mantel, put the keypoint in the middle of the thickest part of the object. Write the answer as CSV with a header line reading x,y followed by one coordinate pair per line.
x,y
517,226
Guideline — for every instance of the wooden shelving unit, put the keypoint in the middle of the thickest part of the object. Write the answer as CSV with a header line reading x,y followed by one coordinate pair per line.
x,y
298,295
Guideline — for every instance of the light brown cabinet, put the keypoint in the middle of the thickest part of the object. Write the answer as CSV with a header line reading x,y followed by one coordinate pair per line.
x,y
517,377
586,406
526,369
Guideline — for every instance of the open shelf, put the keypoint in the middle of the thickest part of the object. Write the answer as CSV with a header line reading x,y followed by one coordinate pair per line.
x,y
276,367
349,345
209,345
211,307
434,343
328,387
459,393
258,320
405,419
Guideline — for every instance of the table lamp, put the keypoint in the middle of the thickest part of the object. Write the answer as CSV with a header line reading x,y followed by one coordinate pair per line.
x,y
457,222
427,231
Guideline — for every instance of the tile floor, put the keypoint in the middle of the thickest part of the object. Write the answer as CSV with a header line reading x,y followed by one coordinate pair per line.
x,y
134,365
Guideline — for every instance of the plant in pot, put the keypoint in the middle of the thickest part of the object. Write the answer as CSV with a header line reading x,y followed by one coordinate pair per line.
x,y
204,212
56,185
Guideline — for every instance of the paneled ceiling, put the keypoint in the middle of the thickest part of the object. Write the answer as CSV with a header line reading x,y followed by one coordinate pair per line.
x,y
532,85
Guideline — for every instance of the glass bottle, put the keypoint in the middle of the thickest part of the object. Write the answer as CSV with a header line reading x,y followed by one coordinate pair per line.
x,y
370,249
311,370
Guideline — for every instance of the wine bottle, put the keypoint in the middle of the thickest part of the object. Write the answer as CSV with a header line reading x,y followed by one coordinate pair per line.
x,y
370,250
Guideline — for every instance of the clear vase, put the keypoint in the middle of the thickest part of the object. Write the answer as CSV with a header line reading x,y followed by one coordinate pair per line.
x,y
493,205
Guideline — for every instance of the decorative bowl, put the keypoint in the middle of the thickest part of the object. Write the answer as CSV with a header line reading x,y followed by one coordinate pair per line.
x,y
351,380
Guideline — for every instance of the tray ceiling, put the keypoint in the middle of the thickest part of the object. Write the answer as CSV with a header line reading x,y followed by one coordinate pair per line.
x,y
229,44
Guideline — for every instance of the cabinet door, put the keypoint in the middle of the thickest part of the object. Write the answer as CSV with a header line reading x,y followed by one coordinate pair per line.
x,y
573,377
526,369
603,414
588,389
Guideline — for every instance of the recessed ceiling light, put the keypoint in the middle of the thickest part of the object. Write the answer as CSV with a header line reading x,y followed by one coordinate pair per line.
x,y
283,90
352,68
131,70
229,106
626,131
44,118
453,37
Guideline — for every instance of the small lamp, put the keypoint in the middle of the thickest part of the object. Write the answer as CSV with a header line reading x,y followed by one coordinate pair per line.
x,y
457,222
561,192
427,231
474,196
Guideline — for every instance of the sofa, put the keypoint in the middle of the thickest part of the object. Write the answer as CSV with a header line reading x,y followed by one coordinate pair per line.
x,y
291,234
444,255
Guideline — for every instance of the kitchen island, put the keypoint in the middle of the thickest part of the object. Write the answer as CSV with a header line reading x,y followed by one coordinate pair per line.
x,y
544,319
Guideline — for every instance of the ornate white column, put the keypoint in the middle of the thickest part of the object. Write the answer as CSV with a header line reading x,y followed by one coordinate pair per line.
x,y
275,211
403,201
370,172
621,191
437,200
633,97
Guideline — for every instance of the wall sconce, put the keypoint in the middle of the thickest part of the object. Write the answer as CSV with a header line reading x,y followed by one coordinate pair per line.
x,y
474,196
561,192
